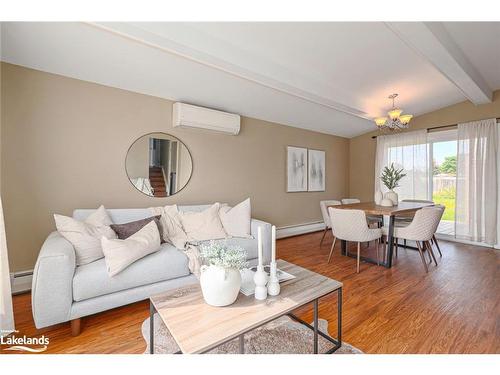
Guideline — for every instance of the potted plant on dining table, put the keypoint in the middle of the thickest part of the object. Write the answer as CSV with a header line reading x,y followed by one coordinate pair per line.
x,y
390,178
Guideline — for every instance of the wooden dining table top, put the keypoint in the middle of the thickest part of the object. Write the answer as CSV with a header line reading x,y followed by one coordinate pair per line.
x,y
373,209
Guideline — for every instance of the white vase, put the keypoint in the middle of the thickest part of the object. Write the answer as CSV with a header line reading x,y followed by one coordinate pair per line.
x,y
392,196
378,197
386,202
220,286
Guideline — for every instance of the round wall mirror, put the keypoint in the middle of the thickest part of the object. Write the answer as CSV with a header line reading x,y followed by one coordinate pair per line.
x,y
158,164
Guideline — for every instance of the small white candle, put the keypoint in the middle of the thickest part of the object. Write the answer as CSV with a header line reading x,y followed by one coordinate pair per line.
x,y
259,242
273,244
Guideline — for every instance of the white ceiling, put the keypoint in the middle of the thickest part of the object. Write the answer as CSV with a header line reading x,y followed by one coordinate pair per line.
x,y
480,42
328,77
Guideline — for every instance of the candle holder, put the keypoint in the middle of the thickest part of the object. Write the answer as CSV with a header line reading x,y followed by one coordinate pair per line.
x,y
273,286
260,280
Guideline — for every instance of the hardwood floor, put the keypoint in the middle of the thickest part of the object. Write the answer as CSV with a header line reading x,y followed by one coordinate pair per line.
x,y
455,308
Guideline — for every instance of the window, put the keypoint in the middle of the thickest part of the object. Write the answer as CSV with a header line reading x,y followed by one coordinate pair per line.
x,y
442,148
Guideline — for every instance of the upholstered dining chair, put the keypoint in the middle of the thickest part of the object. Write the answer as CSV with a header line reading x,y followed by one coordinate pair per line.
x,y
351,225
434,239
421,230
372,219
405,220
326,218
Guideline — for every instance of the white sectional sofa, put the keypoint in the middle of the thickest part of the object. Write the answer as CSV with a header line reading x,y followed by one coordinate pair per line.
x,y
63,292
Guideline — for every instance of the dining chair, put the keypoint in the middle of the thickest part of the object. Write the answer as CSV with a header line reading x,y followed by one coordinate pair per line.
x,y
351,225
326,218
372,219
421,230
409,218
434,239
405,220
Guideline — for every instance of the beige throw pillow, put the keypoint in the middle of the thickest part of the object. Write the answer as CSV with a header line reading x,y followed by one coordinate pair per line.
x,y
204,225
171,225
85,236
119,254
237,220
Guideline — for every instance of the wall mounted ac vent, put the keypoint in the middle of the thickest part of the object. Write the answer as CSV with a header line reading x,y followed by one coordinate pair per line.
x,y
191,116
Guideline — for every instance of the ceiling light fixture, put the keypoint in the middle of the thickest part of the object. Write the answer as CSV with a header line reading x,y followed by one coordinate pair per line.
x,y
396,121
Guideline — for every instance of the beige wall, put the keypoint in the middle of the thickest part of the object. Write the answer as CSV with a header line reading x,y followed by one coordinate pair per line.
x,y
362,148
64,143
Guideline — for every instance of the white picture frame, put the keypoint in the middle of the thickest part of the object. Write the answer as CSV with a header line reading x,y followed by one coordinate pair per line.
x,y
316,170
296,169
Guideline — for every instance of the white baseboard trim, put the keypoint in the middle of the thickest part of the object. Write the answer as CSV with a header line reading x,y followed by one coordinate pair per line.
x,y
20,282
295,230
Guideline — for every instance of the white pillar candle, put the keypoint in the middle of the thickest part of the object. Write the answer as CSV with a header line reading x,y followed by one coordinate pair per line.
x,y
259,244
273,244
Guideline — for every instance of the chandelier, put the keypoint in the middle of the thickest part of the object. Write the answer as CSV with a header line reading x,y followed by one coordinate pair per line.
x,y
396,120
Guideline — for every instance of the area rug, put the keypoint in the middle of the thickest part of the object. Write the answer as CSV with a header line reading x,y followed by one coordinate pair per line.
x,y
281,336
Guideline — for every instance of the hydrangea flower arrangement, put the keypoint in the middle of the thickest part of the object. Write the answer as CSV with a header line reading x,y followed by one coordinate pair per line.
x,y
219,254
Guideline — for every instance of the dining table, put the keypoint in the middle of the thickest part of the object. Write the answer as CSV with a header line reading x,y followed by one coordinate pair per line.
x,y
373,209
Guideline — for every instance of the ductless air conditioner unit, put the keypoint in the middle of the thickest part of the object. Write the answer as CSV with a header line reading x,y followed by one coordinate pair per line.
x,y
191,116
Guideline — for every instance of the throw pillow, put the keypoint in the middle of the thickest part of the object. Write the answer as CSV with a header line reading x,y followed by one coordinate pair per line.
x,y
204,225
124,231
119,254
237,220
85,236
171,226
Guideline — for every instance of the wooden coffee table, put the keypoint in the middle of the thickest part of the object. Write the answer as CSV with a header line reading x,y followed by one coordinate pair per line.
x,y
198,327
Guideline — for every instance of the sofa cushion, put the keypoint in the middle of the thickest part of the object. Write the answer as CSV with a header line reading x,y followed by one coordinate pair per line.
x,y
236,220
125,230
120,254
92,280
171,225
85,236
204,225
248,244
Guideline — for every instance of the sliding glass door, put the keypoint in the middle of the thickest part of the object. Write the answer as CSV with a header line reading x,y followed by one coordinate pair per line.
x,y
429,160
442,148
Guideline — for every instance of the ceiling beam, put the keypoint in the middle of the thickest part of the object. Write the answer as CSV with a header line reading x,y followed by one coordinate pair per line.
x,y
431,41
164,44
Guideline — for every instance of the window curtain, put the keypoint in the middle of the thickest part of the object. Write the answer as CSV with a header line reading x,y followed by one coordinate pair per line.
x,y
476,201
497,246
6,314
409,151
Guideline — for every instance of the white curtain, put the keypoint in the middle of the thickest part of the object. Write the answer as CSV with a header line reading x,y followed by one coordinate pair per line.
x,y
6,314
476,201
497,246
408,151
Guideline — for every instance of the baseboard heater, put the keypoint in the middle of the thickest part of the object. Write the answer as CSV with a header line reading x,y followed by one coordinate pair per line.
x,y
20,282
298,229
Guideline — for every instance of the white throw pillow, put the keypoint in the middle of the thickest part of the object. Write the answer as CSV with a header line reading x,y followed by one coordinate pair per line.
x,y
119,254
171,225
237,220
204,225
85,236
